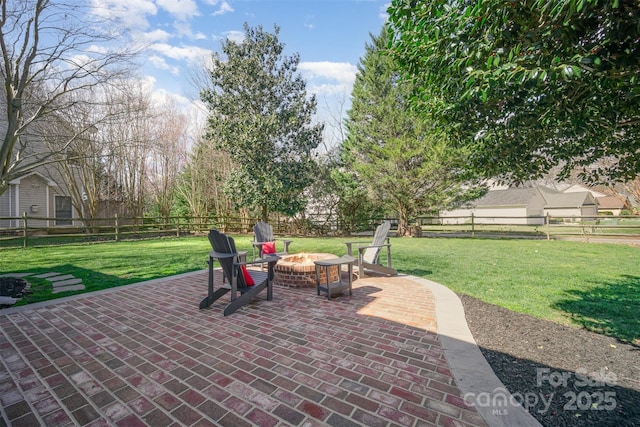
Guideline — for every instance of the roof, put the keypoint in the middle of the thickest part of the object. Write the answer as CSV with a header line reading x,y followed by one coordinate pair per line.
x,y
508,197
523,196
578,188
557,199
610,202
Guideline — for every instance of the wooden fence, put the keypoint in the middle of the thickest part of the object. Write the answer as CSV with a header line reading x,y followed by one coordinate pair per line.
x,y
31,232
34,231
542,227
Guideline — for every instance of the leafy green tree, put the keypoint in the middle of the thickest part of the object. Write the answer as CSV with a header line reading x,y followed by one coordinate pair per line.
x,y
408,166
355,208
261,115
530,84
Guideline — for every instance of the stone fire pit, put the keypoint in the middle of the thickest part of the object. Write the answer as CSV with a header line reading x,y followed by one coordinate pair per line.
x,y
299,271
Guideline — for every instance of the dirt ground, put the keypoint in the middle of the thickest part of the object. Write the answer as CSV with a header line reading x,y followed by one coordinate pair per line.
x,y
564,376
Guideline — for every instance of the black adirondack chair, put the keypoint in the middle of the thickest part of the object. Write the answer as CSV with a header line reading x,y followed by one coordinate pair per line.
x,y
263,233
224,251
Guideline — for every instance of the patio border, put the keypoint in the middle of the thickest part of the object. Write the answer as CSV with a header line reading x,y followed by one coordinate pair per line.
x,y
472,372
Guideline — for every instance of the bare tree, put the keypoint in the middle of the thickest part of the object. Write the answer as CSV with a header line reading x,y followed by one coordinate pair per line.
x,y
50,50
129,143
167,155
202,181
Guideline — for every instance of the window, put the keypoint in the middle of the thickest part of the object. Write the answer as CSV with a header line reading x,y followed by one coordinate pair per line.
x,y
63,210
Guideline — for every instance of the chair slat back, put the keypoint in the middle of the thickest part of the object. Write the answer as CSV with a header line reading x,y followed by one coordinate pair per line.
x,y
222,243
263,232
371,254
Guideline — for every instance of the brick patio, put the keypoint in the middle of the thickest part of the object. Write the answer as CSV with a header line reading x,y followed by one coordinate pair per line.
x,y
144,355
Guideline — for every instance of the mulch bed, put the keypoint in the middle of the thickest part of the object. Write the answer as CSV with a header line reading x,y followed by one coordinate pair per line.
x,y
13,287
565,376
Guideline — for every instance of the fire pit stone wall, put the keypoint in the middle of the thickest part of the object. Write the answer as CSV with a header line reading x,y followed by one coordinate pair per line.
x,y
299,271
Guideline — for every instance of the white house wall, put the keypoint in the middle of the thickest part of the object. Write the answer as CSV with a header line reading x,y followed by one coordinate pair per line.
x,y
589,212
573,213
33,199
456,216
508,215
4,208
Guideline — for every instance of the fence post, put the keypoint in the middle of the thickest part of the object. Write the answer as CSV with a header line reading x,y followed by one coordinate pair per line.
x,y
178,227
547,221
24,229
117,235
473,225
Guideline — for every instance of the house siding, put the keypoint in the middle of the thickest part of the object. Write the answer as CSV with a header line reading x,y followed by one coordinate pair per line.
x,y
4,208
457,216
33,200
506,215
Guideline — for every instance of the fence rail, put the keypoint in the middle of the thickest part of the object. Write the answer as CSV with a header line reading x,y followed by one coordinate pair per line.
x,y
545,227
35,231
31,232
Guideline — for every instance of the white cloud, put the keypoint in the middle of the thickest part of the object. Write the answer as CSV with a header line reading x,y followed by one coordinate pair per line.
x,y
326,89
342,72
155,36
183,29
192,54
161,64
132,13
235,36
180,9
224,7
97,49
383,12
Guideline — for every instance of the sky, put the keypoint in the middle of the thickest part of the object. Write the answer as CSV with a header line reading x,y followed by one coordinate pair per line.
x,y
329,35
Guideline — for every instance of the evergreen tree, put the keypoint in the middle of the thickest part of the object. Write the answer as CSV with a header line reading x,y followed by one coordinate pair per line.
x,y
406,164
260,114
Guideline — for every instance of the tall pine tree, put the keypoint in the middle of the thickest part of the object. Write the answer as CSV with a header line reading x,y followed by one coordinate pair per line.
x,y
407,165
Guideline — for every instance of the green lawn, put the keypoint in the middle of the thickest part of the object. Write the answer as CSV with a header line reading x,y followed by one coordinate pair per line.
x,y
592,285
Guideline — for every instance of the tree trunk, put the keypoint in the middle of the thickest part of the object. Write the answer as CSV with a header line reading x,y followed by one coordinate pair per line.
x,y
403,222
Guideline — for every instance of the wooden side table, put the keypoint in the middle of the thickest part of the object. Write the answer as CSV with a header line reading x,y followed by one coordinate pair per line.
x,y
334,287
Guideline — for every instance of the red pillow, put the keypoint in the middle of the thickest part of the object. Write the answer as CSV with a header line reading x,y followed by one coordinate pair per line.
x,y
269,248
248,280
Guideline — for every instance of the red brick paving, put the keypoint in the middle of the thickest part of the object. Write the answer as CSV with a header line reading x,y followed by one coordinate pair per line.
x,y
146,355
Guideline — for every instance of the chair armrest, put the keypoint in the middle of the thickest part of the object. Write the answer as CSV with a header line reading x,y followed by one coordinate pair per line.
x,y
354,243
270,260
363,248
266,259
221,255
286,243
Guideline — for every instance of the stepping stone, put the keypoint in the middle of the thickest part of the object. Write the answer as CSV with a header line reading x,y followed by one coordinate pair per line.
x,y
45,275
18,275
74,281
7,300
58,278
57,290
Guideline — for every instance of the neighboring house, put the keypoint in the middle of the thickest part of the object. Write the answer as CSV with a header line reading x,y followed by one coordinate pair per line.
x,y
523,206
571,204
606,203
37,196
612,204
577,188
